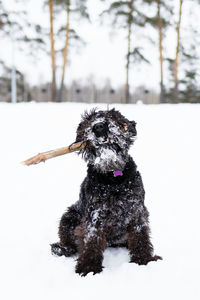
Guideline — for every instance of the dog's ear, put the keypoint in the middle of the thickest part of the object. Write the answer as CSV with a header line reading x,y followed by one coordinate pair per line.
x,y
132,127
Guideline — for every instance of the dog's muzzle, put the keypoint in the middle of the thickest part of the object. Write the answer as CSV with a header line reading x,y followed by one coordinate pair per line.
x,y
100,129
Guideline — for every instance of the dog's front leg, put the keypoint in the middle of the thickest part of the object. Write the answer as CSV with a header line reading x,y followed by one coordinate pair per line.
x,y
91,247
139,244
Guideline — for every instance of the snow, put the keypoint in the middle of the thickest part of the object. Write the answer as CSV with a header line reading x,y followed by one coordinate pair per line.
x,y
106,155
34,198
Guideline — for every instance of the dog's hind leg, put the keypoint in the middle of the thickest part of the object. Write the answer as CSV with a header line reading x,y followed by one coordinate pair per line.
x,y
67,245
139,244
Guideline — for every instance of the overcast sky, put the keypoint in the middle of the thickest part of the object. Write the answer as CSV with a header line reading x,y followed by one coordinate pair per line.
x,y
103,56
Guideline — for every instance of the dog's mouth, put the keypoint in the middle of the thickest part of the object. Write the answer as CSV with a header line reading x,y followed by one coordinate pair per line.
x,y
105,153
103,140
107,142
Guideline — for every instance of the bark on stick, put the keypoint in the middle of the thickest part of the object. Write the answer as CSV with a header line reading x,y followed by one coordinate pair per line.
x,y
42,157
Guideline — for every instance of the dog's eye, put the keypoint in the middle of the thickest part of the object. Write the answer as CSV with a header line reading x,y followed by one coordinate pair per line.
x,y
125,127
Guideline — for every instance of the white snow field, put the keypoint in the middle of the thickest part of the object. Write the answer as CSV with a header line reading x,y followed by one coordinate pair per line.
x,y
32,200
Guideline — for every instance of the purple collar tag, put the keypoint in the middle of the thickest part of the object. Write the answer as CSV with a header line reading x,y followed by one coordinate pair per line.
x,y
117,173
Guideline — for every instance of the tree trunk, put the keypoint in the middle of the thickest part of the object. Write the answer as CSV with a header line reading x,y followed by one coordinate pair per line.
x,y
65,54
175,92
127,92
160,26
53,57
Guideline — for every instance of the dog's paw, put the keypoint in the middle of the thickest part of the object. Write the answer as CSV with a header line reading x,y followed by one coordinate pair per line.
x,y
83,269
58,250
156,257
145,260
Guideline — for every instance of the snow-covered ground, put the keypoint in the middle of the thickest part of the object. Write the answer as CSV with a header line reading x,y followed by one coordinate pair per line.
x,y
32,200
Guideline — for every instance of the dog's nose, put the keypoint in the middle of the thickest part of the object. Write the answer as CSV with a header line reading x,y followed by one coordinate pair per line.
x,y
100,129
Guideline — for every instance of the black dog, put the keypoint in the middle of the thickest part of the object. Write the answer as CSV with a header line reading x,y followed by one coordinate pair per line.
x,y
111,210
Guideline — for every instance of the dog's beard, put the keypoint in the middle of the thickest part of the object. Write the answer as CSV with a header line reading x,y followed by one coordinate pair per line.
x,y
108,159
106,156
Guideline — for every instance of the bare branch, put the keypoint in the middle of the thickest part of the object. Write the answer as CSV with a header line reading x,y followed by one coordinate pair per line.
x,y
42,157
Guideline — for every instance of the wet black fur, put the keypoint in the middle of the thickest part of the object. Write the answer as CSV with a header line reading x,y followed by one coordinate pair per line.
x,y
110,210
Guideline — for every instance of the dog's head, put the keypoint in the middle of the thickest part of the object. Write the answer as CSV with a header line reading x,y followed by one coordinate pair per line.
x,y
108,135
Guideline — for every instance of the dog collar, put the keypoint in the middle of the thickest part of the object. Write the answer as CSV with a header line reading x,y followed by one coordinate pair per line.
x,y
117,173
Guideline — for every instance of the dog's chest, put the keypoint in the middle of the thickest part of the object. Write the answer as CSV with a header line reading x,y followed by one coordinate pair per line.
x,y
113,207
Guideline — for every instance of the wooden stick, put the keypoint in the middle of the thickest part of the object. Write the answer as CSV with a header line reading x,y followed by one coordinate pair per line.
x,y
53,153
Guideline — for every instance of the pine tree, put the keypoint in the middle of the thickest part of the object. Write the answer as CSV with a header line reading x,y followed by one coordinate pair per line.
x,y
160,34
183,66
65,50
189,84
71,7
14,24
127,14
130,23
53,54
163,12
7,23
25,36
176,60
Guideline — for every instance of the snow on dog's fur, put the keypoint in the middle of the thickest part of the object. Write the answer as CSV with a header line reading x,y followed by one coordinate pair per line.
x,y
110,210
